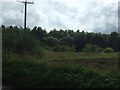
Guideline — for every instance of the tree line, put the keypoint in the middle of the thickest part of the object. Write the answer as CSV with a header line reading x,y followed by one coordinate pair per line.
x,y
16,39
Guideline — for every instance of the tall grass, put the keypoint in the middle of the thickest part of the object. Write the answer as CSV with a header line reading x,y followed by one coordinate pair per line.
x,y
21,72
78,55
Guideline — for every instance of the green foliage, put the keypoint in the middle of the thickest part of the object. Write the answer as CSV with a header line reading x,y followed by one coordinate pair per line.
x,y
51,41
108,50
39,33
48,48
23,65
68,41
14,36
80,41
10,38
27,43
64,48
38,51
49,55
89,48
113,41
17,40
20,72
57,34
59,48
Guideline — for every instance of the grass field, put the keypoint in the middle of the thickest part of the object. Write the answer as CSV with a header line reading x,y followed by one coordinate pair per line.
x,y
93,60
62,70
78,55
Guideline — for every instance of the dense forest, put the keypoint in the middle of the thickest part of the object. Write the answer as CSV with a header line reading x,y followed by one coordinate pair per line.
x,y
34,40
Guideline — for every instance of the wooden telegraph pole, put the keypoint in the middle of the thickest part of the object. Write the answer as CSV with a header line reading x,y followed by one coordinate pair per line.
x,y
25,16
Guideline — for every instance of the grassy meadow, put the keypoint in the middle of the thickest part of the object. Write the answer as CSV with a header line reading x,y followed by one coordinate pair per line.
x,y
49,55
61,70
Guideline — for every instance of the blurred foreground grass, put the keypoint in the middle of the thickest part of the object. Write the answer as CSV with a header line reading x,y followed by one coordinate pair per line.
x,y
32,72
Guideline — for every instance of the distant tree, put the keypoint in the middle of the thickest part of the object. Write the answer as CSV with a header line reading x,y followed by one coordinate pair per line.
x,y
56,34
39,33
10,38
99,40
27,43
113,40
119,43
89,48
51,41
3,27
80,41
19,41
69,41
57,48
60,48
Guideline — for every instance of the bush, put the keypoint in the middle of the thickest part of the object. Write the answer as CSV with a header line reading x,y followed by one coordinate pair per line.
x,y
92,48
51,41
28,73
63,48
27,43
39,52
59,48
108,50
16,40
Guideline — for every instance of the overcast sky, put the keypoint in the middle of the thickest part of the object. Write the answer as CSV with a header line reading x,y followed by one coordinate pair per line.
x,y
87,15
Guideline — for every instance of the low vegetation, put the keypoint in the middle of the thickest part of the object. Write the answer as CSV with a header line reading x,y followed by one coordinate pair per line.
x,y
22,72
50,55
37,59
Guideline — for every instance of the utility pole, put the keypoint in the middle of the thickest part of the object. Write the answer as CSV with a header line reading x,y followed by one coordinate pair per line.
x,y
25,16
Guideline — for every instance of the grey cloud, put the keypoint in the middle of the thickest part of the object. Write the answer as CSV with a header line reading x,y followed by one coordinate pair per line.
x,y
58,15
52,12
12,22
11,14
108,28
104,15
119,16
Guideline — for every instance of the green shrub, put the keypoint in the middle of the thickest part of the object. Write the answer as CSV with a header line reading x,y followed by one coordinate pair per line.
x,y
30,73
39,52
47,48
51,41
63,48
16,40
57,48
92,48
108,50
